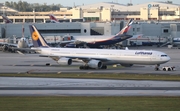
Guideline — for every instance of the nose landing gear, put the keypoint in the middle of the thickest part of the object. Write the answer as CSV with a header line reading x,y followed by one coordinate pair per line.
x,y
157,67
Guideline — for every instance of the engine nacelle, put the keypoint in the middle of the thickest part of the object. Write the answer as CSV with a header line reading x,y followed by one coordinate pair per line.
x,y
95,64
64,61
127,65
5,48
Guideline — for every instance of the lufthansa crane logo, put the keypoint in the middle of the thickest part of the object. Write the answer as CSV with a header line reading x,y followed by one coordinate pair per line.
x,y
35,36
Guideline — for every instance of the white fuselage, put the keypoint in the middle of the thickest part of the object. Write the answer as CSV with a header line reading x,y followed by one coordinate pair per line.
x,y
95,38
22,43
109,56
92,38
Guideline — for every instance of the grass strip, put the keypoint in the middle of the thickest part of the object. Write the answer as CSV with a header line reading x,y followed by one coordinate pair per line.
x,y
61,103
102,76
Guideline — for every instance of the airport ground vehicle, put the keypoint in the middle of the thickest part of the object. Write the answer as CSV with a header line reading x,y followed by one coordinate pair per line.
x,y
168,68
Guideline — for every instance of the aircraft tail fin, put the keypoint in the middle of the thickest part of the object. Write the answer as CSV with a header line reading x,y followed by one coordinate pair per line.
x,y
126,28
37,38
53,19
6,19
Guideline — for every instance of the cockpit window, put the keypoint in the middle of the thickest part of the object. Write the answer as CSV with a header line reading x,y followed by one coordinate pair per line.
x,y
163,55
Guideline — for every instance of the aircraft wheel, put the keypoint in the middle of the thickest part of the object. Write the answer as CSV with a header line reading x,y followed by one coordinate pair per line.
x,y
164,69
156,69
81,67
169,69
86,67
48,64
104,67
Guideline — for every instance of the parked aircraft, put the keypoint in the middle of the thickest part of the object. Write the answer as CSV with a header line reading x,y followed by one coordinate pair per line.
x,y
6,19
93,41
96,58
97,41
22,44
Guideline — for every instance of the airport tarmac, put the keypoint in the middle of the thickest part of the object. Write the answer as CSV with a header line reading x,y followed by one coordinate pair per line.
x,y
20,86
32,63
23,86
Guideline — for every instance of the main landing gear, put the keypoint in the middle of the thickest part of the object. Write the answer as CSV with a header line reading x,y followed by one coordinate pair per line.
x,y
87,67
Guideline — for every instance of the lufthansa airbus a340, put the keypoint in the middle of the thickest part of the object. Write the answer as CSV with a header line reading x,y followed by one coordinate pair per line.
x,y
96,58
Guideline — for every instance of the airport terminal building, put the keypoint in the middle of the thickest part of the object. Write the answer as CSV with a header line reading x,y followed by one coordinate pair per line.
x,y
104,11
154,20
150,28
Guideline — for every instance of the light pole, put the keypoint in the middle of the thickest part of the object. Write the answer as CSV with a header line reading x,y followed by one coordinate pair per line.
x,y
4,11
158,13
179,13
112,11
34,19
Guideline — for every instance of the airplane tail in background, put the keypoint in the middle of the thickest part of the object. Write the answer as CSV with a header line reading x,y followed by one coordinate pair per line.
x,y
126,28
53,18
6,19
37,38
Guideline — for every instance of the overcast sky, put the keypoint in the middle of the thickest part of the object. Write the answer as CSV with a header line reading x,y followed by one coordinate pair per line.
x,y
85,2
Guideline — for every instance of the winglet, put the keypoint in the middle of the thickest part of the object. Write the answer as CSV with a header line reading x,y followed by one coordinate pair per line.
x,y
126,28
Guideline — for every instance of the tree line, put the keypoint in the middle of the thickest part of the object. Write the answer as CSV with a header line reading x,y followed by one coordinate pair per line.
x,y
24,6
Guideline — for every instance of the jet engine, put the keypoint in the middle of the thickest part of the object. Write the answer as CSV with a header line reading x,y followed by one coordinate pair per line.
x,y
5,48
95,64
127,65
64,61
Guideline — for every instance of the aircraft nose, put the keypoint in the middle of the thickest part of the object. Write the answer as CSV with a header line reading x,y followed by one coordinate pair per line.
x,y
167,59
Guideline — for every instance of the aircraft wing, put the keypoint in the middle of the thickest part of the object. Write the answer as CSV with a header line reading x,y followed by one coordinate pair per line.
x,y
9,44
23,49
66,42
56,58
72,41
63,43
